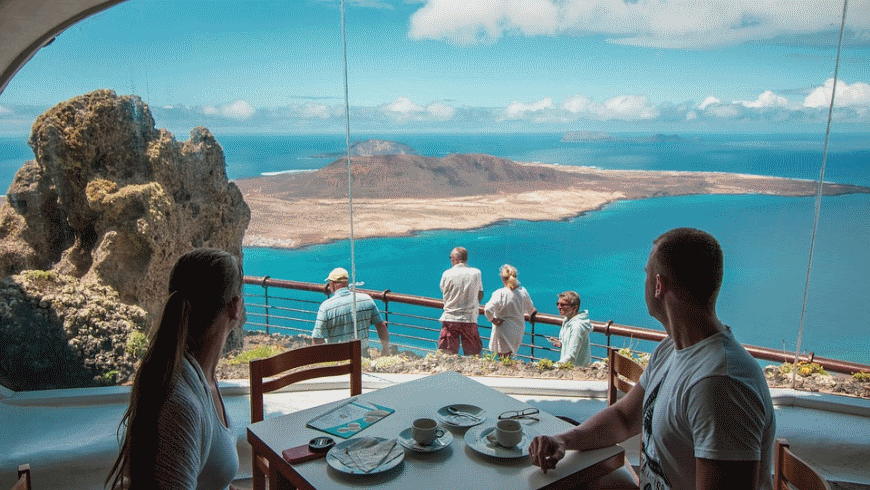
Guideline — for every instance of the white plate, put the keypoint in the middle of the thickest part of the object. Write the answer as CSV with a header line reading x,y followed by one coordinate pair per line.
x,y
338,465
476,439
407,441
445,417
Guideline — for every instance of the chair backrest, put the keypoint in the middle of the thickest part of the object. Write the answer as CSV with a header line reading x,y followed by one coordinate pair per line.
x,y
622,374
790,469
310,359
23,482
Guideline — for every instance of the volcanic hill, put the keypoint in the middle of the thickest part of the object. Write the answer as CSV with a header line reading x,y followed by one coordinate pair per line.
x,y
413,176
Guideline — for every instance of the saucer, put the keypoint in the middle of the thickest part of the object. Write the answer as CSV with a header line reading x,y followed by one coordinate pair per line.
x,y
476,415
476,439
438,444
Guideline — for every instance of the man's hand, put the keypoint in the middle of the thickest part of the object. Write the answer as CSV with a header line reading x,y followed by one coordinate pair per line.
x,y
554,341
497,321
546,451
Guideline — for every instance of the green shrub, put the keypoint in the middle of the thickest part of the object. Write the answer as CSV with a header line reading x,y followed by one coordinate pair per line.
x,y
641,358
546,364
137,344
109,377
261,352
508,361
861,376
489,356
803,368
565,365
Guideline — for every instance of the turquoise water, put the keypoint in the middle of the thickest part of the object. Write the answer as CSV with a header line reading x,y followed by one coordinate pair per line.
x,y
601,255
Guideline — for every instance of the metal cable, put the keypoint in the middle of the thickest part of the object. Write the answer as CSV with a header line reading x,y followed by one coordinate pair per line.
x,y
818,199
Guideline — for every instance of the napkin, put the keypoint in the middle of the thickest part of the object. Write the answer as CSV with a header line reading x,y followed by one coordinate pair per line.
x,y
368,453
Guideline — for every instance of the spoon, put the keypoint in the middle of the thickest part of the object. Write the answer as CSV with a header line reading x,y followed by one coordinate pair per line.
x,y
455,411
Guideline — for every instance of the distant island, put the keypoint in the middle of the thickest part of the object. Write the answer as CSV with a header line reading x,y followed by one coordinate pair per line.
x,y
594,136
398,195
371,147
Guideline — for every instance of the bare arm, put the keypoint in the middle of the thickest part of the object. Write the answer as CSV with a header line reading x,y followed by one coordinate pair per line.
x,y
384,335
713,474
612,425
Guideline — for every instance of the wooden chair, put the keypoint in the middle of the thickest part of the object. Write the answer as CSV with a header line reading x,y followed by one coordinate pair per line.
x,y
23,482
789,469
290,367
622,374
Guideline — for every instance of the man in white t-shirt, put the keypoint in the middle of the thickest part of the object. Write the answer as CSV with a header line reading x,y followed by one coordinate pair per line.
x,y
462,288
702,405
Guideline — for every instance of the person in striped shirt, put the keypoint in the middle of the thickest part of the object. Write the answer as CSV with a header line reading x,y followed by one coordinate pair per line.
x,y
334,322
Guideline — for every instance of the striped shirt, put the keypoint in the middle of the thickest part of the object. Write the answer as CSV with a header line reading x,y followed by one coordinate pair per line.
x,y
335,317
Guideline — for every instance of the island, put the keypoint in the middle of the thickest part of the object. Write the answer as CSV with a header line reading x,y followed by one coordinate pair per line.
x,y
399,195
371,147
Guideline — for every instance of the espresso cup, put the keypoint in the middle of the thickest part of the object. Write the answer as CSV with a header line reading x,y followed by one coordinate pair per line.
x,y
425,431
508,433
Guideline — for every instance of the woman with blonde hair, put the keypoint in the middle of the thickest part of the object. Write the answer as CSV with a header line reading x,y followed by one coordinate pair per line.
x,y
177,431
506,309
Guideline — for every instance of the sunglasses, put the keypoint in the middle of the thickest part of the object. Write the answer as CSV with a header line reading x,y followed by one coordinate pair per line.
x,y
522,414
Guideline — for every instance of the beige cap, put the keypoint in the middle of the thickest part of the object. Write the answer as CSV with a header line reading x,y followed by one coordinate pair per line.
x,y
339,274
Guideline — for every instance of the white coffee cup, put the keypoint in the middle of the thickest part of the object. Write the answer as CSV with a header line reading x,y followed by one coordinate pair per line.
x,y
425,431
508,433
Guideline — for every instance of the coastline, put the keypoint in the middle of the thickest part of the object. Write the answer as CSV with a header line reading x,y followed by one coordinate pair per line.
x,y
313,221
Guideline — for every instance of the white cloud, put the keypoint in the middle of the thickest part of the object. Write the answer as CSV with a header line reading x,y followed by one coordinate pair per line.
x,y
691,116
5,111
520,110
579,103
652,23
311,111
628,108
708,102
724,111
767,99
441,111
857,94
236,110
403,106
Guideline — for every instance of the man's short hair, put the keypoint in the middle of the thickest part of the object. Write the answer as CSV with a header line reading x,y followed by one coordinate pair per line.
x,y
571,297
461,254
692,260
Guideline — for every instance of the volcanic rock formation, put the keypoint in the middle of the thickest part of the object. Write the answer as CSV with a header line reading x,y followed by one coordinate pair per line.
x,y
112,201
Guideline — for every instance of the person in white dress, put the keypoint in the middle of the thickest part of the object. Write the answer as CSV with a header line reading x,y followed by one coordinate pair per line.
x,y
506,309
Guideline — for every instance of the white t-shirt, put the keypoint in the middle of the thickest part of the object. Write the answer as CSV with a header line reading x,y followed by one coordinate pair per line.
x,y
196,450
709,400
460,286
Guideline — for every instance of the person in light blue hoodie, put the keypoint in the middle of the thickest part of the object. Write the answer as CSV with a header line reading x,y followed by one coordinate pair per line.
x,y
576,327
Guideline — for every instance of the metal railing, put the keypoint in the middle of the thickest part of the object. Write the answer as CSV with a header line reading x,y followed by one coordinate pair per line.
x,y
413,324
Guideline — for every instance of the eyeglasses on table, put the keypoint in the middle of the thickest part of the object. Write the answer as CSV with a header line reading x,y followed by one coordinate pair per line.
x,y
528,413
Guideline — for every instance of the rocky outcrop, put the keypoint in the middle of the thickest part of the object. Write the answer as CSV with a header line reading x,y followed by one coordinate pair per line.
x,y
112,201
59,333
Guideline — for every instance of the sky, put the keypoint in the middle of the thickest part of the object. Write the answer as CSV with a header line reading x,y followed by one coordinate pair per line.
x,y
251,66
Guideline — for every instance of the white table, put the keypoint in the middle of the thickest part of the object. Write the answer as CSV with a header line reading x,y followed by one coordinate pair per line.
x,y
457,466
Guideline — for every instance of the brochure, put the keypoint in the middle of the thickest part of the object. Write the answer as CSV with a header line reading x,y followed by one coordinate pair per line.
x,y
349,418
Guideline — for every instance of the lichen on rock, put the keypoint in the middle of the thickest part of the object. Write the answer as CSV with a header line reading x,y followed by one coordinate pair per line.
x,y
111,201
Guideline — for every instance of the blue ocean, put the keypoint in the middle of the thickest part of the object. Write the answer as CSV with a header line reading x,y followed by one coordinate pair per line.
x,y
601,254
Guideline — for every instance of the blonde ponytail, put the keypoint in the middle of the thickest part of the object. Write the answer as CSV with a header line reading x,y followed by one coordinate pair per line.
x,y
508,274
